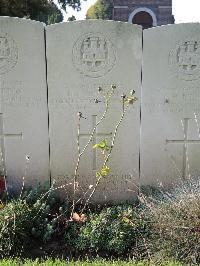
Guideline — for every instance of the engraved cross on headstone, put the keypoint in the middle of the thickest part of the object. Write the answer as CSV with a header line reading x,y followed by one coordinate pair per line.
x,y
94,139
185,141
2,142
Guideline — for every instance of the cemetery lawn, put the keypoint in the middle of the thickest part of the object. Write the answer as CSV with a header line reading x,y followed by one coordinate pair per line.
x,y
51,262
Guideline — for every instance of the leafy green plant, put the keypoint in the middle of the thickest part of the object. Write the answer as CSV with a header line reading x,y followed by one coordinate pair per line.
x,y
26,219
103,146
115,230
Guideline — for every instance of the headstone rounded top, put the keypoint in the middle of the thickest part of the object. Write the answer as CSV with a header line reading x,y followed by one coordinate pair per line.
x,y
20,20
87,23
94,55
185,26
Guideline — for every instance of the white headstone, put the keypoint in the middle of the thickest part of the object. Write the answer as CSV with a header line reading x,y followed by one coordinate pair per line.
x,y
83,56
170,140
23,102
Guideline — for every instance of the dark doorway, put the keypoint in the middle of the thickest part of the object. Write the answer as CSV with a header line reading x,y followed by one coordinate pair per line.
x,y
144,19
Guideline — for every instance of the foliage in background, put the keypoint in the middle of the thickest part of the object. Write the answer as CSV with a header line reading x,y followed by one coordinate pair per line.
x,y
76,4
72,18
102,9
41,10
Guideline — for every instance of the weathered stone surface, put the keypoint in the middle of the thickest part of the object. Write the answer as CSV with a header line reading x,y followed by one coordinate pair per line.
x,y
23,102
170,140
81,57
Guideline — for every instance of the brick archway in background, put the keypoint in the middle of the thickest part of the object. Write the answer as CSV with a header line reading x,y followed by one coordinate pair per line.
x,y
143,16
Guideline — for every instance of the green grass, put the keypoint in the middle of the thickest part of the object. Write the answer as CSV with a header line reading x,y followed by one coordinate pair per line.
x,y
51,262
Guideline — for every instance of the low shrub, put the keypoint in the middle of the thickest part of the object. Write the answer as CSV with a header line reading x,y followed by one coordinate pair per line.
x,y
166,226
115,230
96,262
26,219
176,223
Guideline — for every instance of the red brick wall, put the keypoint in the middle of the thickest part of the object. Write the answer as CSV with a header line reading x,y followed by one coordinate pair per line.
x,y
161,8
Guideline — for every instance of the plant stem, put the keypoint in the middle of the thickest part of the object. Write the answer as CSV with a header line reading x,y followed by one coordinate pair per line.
x,y
77,164
101,119
107,157
80,153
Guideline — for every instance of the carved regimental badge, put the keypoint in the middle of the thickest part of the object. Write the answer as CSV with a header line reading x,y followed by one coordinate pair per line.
x,y
8,53
185,60
94,55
